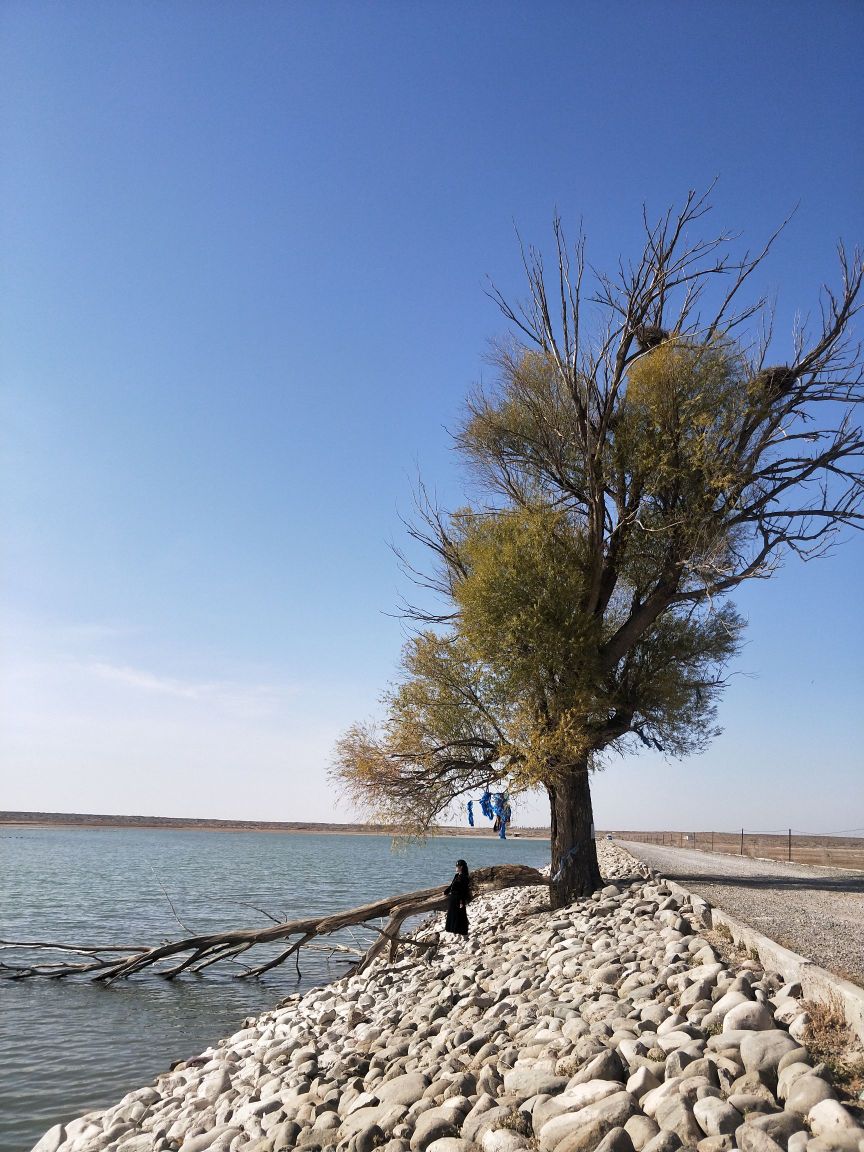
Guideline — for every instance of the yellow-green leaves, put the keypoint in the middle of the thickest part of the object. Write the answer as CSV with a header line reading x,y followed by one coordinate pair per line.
x,y
530,422
522,601
678,424
443,734
523,615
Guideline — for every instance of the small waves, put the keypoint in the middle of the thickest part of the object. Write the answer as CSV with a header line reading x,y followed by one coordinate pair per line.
x,y
71,1047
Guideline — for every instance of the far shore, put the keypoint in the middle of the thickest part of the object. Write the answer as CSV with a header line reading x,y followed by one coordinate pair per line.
x,y
179,824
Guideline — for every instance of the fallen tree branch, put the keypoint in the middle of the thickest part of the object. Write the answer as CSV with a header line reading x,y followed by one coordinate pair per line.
x,y
196,953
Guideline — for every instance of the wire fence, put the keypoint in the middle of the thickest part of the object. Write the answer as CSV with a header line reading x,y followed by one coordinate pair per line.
x,y
836,850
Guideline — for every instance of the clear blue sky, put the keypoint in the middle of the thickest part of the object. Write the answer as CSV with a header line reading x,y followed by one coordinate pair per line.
x,y
244,251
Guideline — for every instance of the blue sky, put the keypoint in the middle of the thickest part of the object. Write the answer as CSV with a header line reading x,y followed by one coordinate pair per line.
x,y
245,250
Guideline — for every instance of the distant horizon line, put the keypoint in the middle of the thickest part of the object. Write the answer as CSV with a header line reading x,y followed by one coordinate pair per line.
x,y
684,839
123,820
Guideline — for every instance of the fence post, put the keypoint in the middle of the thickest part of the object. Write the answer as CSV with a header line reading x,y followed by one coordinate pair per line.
x,y
712,841
694,839
790,844
741,852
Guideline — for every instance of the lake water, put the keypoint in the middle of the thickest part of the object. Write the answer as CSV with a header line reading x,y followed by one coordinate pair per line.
x,y
69,1047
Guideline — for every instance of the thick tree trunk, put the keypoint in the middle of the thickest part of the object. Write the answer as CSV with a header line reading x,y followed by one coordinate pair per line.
x,y
575,871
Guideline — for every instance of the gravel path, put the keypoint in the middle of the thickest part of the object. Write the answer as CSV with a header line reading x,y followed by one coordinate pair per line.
x,y
817,912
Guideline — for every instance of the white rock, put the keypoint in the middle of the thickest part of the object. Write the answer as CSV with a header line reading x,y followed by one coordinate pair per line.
x,y
669,1041
670,1024
787,1076
143,1142
728,1001
502,1140
404,1089
786,1010
434,1124
214,1085
580,1096
716,1117
792,990
614,1110
708,971
52,1139
806,1092
799,1027
529,1081
207,1140
451,1144
828,1116
750,1015
761,1051
652,1100
642,1082
363,1100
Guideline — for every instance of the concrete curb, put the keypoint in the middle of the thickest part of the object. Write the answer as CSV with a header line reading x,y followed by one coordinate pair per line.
x,y
817,983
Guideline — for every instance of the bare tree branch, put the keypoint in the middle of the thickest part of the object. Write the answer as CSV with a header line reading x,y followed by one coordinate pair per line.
x,y
107,963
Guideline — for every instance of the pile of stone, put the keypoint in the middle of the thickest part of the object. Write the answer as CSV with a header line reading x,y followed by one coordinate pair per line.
x,y
611,1026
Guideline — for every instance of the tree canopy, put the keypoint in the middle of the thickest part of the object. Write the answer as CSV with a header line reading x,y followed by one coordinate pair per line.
x,y
628,479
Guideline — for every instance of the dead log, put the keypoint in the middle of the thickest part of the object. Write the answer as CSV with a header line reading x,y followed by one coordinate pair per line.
x,y
194,954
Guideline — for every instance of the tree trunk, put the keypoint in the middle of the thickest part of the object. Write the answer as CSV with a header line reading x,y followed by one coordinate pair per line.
x,y
575,871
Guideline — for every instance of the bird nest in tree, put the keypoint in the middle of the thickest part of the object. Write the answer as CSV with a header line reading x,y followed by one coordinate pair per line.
x,y
650,335
777,381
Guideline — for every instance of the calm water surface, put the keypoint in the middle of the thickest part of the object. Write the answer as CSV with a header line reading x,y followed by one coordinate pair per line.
x,y
70,1047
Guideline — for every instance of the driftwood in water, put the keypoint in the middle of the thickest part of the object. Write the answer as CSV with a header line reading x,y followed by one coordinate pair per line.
x,y
196,953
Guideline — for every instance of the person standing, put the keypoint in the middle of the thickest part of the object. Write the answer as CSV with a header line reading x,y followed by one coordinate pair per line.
x,y
458,893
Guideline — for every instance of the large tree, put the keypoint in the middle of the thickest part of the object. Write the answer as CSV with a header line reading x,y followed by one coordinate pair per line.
x,y
627,480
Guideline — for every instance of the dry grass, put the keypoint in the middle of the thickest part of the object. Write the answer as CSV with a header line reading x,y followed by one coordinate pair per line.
x,y
518,1122
568,1066
830,1039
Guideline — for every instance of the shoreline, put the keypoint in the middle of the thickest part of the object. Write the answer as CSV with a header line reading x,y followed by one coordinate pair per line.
x,y
181,824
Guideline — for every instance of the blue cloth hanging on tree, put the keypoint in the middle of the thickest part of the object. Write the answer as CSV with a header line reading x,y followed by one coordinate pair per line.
x,y
495,807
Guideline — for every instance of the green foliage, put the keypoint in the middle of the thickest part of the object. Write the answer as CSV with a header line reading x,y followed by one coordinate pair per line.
x,y
520,597
680,418
524,616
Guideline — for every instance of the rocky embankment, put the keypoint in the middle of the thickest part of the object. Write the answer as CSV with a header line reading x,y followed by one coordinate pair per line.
x,y
611,1026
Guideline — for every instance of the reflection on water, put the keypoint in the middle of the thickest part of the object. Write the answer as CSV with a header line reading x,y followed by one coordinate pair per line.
x,y
66,1048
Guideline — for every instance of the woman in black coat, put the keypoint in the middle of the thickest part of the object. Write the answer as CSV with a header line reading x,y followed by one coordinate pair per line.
x,y
458,893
